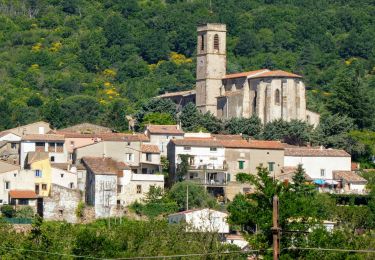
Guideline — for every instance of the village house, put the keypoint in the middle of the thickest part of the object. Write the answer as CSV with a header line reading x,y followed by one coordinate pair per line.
x,y
9,147
111,185
39,127
318,162
52,144
161,135
202,220
134,150
215,160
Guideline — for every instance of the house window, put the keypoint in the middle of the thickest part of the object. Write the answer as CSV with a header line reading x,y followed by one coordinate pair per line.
x,y
213,149
187,148
139,189
216,42
44,186
60,147
39,147
1,201
38,173
144,170
148,157
23,202
135,171
119,188
51,147
322,172
277,97
52,158
37,189
202,42
71,185
129,157
241,165
7,185
271,166
13,145
62,175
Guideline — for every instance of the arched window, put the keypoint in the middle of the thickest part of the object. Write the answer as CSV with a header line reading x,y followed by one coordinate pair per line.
x,y
202,42
277,97
216,42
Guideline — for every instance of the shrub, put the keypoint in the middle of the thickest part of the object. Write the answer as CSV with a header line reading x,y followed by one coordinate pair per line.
x,y
8,211
25,212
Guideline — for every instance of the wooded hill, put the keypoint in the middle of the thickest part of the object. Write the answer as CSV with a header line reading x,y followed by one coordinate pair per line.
x,y
77,60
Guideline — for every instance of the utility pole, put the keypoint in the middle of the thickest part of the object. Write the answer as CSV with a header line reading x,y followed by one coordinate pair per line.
x,y
275,228
187,197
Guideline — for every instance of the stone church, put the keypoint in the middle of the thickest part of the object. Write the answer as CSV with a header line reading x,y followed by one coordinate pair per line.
x,y
268,94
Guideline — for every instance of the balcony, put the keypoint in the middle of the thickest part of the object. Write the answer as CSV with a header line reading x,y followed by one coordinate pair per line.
x,y
212,182
209,167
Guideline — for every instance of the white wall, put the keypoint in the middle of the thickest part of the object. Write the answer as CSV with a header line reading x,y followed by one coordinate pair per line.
x,y
313,165
162,141
204,220
129,183
105,195
64,178
203,156
25,148
19,180
10,138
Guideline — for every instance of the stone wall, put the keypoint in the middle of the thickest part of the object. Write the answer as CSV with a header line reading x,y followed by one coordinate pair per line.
x,y
61,204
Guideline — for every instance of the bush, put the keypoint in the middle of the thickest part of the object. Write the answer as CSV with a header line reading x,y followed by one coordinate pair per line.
x,y
8,211
25,212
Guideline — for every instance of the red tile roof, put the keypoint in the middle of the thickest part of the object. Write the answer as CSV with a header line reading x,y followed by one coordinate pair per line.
x,y
229,142
264,73
104,166
165,129
315,152
348,176
245,74
150,148
44,137
107,136
22,194
200,142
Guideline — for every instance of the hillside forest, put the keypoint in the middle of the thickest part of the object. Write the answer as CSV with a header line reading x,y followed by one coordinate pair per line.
x,y
73,61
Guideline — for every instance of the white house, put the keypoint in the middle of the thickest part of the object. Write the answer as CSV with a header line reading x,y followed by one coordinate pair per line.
x,y
51,143
206,158
111,185
161,135
202,220
64,178
318,162
11,178
350,182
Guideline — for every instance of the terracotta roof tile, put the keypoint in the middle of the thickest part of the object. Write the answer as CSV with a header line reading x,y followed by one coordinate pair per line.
x,y
315,152
348,176
36,157
106,166
226,137
287,173
245,74
44,137
165,129
22,194
253,144
263,73
150,148
200,142
7,167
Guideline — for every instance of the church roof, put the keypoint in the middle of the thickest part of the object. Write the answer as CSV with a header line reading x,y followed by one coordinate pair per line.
x,y
179,93
264,73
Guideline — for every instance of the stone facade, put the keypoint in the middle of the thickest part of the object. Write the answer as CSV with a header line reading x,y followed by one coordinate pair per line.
x,y
61,204
270,95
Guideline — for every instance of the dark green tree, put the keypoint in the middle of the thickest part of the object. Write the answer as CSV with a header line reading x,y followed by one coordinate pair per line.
x,y
248,126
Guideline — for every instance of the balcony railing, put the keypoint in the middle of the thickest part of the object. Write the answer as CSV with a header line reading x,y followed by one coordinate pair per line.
x,y
212,182
209,167
340,191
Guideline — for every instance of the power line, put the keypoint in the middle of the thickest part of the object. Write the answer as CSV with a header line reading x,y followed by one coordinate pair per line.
x,y
332,249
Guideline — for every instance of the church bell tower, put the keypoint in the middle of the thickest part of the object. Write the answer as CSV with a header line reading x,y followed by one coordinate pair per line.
x,y
211,65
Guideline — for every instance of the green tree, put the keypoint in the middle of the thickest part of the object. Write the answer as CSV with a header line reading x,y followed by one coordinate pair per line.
x,y
198,196
248,126
350,98
157,118
190,117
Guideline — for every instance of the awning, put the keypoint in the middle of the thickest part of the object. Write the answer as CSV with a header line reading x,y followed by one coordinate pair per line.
x,y
331,182
22,194
319,182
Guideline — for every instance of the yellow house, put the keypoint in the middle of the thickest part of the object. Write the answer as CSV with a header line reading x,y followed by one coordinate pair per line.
x,y
39,163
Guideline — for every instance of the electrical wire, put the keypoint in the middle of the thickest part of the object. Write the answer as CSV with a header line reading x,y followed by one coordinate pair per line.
x,y
332,249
